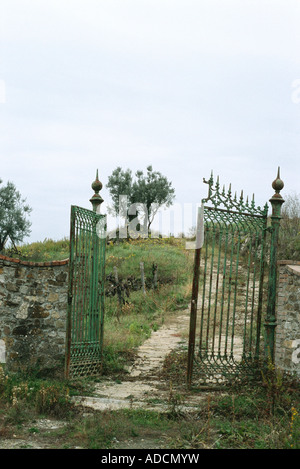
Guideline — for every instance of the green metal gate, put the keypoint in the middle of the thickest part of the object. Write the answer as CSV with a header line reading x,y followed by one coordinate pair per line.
x,y
85,318
230,289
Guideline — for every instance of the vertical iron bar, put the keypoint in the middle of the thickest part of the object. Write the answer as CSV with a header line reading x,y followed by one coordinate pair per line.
x,y
94,291
223,289
261,290
70,295
81,312
88,279
75,273
193,317
216,293
97,296
210,282
102,242
235,293
229,293
247,298
77,303
194,302
253,302
82,287
203,298
89,306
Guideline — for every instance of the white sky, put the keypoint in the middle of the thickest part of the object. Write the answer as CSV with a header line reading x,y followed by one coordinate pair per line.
x,y
188,86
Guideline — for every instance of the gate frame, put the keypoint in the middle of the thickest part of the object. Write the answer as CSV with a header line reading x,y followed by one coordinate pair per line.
x,y
270,320
96,201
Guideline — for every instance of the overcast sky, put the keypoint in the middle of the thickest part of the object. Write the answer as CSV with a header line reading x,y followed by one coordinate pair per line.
x,y
188,86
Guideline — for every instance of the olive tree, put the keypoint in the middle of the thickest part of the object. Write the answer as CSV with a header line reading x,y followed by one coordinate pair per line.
x,y
14,224
146,194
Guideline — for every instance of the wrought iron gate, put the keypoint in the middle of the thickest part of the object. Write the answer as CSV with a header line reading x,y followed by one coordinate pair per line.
x,y
230,262
86,289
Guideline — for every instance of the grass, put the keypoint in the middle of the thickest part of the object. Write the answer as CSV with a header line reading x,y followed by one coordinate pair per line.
x,y
236,418
42,251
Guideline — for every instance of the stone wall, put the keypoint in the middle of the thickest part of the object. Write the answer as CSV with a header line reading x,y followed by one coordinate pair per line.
x,y
33,308
287,346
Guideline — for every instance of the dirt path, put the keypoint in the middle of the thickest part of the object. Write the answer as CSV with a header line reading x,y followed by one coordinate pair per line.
x,y
143,387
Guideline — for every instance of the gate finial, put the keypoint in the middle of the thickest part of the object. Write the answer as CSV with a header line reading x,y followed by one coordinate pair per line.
x,y
277,185
96,200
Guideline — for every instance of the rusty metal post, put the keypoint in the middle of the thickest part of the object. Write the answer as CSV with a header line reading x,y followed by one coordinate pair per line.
x,y
143,277
270,322
193,317
195,290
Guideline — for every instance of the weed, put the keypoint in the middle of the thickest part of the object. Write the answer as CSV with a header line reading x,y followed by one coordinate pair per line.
x,y
46,250
175,402
41,396
53,400
273,382
294,435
